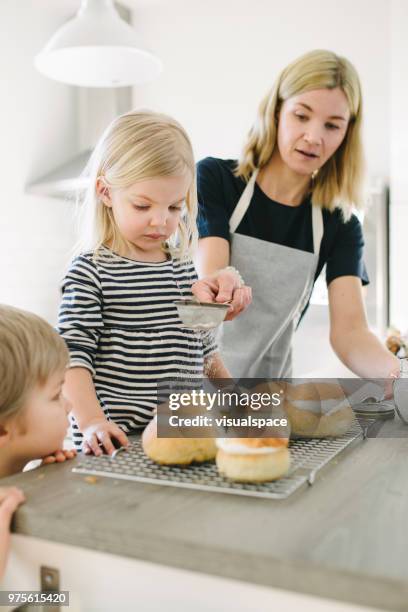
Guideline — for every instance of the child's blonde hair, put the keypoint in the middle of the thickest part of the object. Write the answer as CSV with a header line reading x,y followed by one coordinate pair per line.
x,y
339,182
30,352
137,146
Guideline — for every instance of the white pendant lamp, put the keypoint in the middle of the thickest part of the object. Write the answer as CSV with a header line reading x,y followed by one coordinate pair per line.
x,y
97,49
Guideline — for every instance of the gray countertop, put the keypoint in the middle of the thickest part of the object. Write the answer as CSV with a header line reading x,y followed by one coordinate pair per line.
x,y
344,538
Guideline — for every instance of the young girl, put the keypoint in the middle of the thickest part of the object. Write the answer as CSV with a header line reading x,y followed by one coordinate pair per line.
x,y
117,314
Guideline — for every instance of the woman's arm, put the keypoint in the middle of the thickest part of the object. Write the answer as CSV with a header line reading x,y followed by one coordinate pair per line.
x,y
218,284
352,340
213,253
214,249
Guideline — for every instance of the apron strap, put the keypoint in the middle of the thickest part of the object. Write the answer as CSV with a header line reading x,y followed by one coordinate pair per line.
x,y
243,203
245,200
317,225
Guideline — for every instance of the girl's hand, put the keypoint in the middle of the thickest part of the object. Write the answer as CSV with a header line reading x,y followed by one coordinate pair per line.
x,y
98,433
59,456
10,499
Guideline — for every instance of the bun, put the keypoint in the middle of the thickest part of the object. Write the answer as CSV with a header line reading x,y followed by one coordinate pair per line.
x,y
314,391
176,451
318,410
253,459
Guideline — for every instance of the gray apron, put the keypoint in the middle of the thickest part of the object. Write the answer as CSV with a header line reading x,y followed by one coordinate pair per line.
x,y
257,344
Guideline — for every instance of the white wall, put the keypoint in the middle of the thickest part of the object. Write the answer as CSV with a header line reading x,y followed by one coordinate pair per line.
x,y
399,164
220,57
38,131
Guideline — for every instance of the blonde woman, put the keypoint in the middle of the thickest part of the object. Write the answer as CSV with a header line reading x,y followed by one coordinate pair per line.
x,y
117,314
283,211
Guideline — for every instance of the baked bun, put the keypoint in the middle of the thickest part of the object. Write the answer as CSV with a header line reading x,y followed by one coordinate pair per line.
x,y
318,410
253,459
176,451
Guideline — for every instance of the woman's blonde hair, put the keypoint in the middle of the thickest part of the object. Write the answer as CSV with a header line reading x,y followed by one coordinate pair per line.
x,y
339,182
30,352
136,146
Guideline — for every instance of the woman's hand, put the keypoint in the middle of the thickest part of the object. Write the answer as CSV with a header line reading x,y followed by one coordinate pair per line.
x,y
224,286
352,340
389,382
98,434
59,456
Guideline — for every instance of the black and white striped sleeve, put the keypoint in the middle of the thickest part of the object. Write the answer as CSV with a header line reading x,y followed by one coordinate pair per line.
x,y
80,319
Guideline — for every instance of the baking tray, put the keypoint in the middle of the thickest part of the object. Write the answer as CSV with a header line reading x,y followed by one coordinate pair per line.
x,y
308,459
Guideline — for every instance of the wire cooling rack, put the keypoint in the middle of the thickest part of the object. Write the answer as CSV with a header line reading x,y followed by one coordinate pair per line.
x,y
308,459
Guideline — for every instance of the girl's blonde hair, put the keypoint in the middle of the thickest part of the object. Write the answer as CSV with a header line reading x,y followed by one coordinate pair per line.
x,y
137,146
30,352
339,182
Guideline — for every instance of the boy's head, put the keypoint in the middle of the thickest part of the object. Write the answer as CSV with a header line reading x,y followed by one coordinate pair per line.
x,y
33,360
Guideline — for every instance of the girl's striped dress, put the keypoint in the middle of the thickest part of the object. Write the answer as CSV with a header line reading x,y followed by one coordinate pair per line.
x,y
119,321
